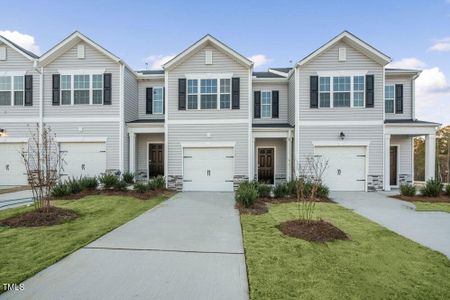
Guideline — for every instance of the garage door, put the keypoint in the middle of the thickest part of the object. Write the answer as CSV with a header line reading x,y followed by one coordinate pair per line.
x,y
208,169
83,159
12,168
346,167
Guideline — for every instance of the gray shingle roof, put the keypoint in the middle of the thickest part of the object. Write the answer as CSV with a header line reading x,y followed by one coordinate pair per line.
x,y
151,72
266,75
29,53
284,70
409,121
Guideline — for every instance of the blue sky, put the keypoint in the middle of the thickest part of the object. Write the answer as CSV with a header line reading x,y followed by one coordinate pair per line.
x,y
415,34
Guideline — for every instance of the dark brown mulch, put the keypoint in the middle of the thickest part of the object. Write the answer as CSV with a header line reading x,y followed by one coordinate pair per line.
x,y
41,217
312,231
143,196
418,198
258,208
291,199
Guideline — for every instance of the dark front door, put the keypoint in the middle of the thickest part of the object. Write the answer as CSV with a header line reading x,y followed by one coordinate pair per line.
x,y
393,165
266,165
155,160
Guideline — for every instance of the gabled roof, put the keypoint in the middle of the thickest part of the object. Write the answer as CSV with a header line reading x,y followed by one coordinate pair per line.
x,y
355,42
202,42
28,54
68,43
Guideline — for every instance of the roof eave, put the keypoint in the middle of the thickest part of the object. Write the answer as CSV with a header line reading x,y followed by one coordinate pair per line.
x,y
11,45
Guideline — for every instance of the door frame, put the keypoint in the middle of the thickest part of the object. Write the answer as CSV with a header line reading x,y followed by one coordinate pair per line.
x,y
146,162
398,165
274,160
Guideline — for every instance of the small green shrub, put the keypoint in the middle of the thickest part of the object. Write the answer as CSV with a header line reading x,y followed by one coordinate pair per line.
x,y
264,190
128,177
447,189
246,194
73,185
158,182
121,186
60,190
89,183
280,190
292,187
108,180
432,188
140,187
322,191
408,190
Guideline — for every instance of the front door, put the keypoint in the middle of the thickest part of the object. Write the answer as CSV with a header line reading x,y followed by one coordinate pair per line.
x,y
155,160
266,165
393,165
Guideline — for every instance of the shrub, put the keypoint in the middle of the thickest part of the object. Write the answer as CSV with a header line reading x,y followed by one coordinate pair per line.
x,y
89,183
140,187
121,186
158,182
432,188
128,177
263,190
322,191
408,190
292,187
246,194
280,190
60,190
73,186
108,180
447,189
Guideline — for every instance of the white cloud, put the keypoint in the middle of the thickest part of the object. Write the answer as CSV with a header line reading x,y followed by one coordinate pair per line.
x,y
156,61
432,80
442,45
407,63
259,60
26,41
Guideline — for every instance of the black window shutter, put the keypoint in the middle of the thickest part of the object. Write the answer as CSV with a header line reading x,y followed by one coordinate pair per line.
x,y
55,89
399,98
370,91
275,96
235,87
314,91
257,104
164,100
149,101
181,94
28,90
107,89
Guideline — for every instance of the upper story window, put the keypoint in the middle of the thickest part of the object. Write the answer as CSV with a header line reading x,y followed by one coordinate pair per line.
x,y
209,93
324,92
97,89
192,94
12,88
81,89
225,93
389,97
266,104
158,99
342,91
66,89
358,91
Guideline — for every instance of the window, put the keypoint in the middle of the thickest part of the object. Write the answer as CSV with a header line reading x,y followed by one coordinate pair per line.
x,y
97,89
225,93
19,90
341,91
324,92
81,89
158,100
389,96
5,90
192,94
66,89
208,93
358,91
266,104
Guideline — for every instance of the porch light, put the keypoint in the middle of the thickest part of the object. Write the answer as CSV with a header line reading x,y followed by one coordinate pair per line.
x,y
342,135
2,131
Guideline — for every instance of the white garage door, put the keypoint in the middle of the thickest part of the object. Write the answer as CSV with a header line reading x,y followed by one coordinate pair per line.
x,y
208,169
346,167
12,168
83,159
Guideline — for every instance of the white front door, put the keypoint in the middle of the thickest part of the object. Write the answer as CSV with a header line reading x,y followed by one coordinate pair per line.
x,y
12,167
208,169
346,167
83,159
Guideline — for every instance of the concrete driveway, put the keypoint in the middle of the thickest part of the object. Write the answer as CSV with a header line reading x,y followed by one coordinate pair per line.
x,y
189,247
430,229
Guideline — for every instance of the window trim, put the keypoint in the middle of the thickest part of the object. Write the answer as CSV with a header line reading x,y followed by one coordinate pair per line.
x,y
393,98
12,89
61,90
90,89
153,100
352,90
270,104
199,78
217,94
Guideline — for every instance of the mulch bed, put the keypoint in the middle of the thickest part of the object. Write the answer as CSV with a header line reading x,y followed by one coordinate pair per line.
x,y
143,196
291,199
440,199
258,208
312,231
40,217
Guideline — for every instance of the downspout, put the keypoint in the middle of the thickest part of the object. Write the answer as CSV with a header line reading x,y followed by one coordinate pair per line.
x,y
41,96
122,116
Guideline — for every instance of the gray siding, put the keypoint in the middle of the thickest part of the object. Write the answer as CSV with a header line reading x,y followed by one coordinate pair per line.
x,y
130,96
407,96
405,153
15,61
142,140
291,99
280,153
283,101
143,85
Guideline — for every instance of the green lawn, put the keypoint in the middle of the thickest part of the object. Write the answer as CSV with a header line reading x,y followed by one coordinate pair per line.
x,y
375,264
427,206
26,251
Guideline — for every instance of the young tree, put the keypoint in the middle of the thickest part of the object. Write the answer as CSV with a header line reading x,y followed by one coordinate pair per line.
x,y
42,161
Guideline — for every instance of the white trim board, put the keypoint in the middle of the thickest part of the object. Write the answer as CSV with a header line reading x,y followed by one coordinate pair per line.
x,y
80,119
81,139
340,143
208,144
146,130
7,139
205,121
81,71
341,123
208,75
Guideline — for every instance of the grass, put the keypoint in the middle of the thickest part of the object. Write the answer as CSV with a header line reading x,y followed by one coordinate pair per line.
x,y
427,206
26,251
375,264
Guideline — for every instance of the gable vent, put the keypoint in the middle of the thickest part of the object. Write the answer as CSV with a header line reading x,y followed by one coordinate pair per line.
x,y
3,53
342,54
208,57
81,51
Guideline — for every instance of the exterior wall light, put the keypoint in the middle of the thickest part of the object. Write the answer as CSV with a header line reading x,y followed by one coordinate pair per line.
x,y
342,135
2,131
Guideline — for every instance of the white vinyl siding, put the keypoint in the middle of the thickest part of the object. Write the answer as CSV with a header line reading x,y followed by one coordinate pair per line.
x,y
389,98
266,104
406,81
158,100
142,94
282,89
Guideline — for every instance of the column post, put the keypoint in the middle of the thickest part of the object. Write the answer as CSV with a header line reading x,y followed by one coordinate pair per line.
x,y
289,156
387,163
132,154
430,156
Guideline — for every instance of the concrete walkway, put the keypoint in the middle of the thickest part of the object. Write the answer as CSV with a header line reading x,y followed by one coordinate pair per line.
x,y
189,247
431,229
14,199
